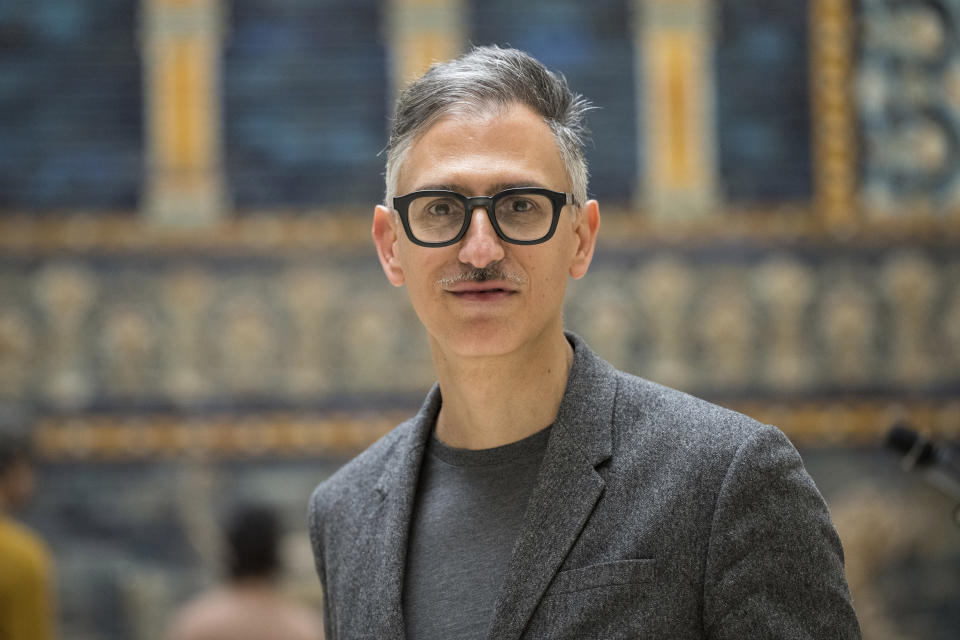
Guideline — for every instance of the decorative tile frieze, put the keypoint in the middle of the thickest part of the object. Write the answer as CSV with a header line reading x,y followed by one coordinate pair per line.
x,y
247,332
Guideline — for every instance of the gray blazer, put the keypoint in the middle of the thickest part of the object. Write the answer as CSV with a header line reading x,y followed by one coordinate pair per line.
x,y
655,515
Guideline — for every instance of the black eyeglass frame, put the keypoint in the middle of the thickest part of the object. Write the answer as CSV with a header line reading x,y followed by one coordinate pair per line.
x,y
558,199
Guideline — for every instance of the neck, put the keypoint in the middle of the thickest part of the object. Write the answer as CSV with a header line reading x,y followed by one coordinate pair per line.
x,y
491,401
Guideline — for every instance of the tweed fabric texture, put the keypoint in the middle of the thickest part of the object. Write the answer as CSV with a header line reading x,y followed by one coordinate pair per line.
x,y
655,515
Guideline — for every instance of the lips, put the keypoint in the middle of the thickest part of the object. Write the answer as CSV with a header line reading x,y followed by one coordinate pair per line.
x,y
492,295
481,291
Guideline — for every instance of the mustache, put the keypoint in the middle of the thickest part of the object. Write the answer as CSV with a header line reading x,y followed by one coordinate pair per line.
x,y
493,271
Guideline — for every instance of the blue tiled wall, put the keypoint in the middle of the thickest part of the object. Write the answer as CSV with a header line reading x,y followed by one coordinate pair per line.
x,y
306,98
70,105
591,43
305,93
763,100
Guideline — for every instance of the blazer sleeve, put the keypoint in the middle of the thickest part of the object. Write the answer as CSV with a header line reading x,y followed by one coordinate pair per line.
x,y
775,564
316,543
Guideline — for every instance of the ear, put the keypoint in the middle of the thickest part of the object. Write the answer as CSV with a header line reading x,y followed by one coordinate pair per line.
x,y
585,230
386,236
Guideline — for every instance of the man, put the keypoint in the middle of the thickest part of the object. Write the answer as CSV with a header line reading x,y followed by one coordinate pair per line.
x,y
250,606
539,492
26,593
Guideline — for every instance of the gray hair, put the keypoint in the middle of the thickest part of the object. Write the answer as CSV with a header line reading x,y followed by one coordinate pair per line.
x,y
485,78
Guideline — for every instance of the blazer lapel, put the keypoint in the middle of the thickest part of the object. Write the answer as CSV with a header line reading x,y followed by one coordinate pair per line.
x,y
389,525
567,491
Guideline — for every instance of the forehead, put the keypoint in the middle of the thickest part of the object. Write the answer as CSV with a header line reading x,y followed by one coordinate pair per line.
x,y
510,145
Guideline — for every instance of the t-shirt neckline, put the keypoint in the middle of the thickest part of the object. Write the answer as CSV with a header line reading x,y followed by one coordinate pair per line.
x,y
531,447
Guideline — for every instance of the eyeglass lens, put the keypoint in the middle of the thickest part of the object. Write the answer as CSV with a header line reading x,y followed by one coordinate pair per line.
x,y
522,217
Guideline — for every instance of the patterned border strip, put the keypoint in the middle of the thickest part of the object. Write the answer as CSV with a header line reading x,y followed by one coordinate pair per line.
x,y
109,438
250,436
322,230
126,232
855,421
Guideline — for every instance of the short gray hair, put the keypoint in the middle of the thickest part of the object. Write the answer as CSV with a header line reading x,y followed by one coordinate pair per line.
x,y
482,78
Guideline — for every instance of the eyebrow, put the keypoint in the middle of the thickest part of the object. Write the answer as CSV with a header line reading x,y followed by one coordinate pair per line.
x,y
497,188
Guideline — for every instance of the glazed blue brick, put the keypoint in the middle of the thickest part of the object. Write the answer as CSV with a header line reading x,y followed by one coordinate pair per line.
x,y
71,131
763,100
305,93
592,45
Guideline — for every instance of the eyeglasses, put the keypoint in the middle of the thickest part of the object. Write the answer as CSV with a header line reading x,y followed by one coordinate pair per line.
x,y
525,215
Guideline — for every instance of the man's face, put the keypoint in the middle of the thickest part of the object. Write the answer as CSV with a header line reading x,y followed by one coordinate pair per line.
x,y
479,155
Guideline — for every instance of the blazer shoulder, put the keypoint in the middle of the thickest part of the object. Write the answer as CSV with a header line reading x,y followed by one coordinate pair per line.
x,y
360,475
646,409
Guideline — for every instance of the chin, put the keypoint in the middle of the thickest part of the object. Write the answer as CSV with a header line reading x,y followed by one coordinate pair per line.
x,y
478,339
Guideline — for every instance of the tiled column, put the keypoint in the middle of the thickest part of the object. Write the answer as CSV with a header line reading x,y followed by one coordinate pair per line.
x,y
832,40
181,56
678,135
422,32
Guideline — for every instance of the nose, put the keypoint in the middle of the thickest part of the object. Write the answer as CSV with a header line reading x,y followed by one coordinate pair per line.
x,y
481,245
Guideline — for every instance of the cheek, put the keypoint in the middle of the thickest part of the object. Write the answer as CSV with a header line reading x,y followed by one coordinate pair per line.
x,y
414,260
421,268
550,281
418,287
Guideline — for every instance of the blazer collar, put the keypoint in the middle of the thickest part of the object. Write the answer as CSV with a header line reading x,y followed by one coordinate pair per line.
x,y
585,416
400,474
567,490
394,496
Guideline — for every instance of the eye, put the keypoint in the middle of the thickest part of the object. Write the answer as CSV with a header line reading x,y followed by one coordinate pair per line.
x,y
440,209
520,205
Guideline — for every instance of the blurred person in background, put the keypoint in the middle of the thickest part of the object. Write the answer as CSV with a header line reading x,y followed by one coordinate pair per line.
x,y
250,605
26,586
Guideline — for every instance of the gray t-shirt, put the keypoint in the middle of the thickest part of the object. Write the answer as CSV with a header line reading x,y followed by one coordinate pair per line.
x,y
468,512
